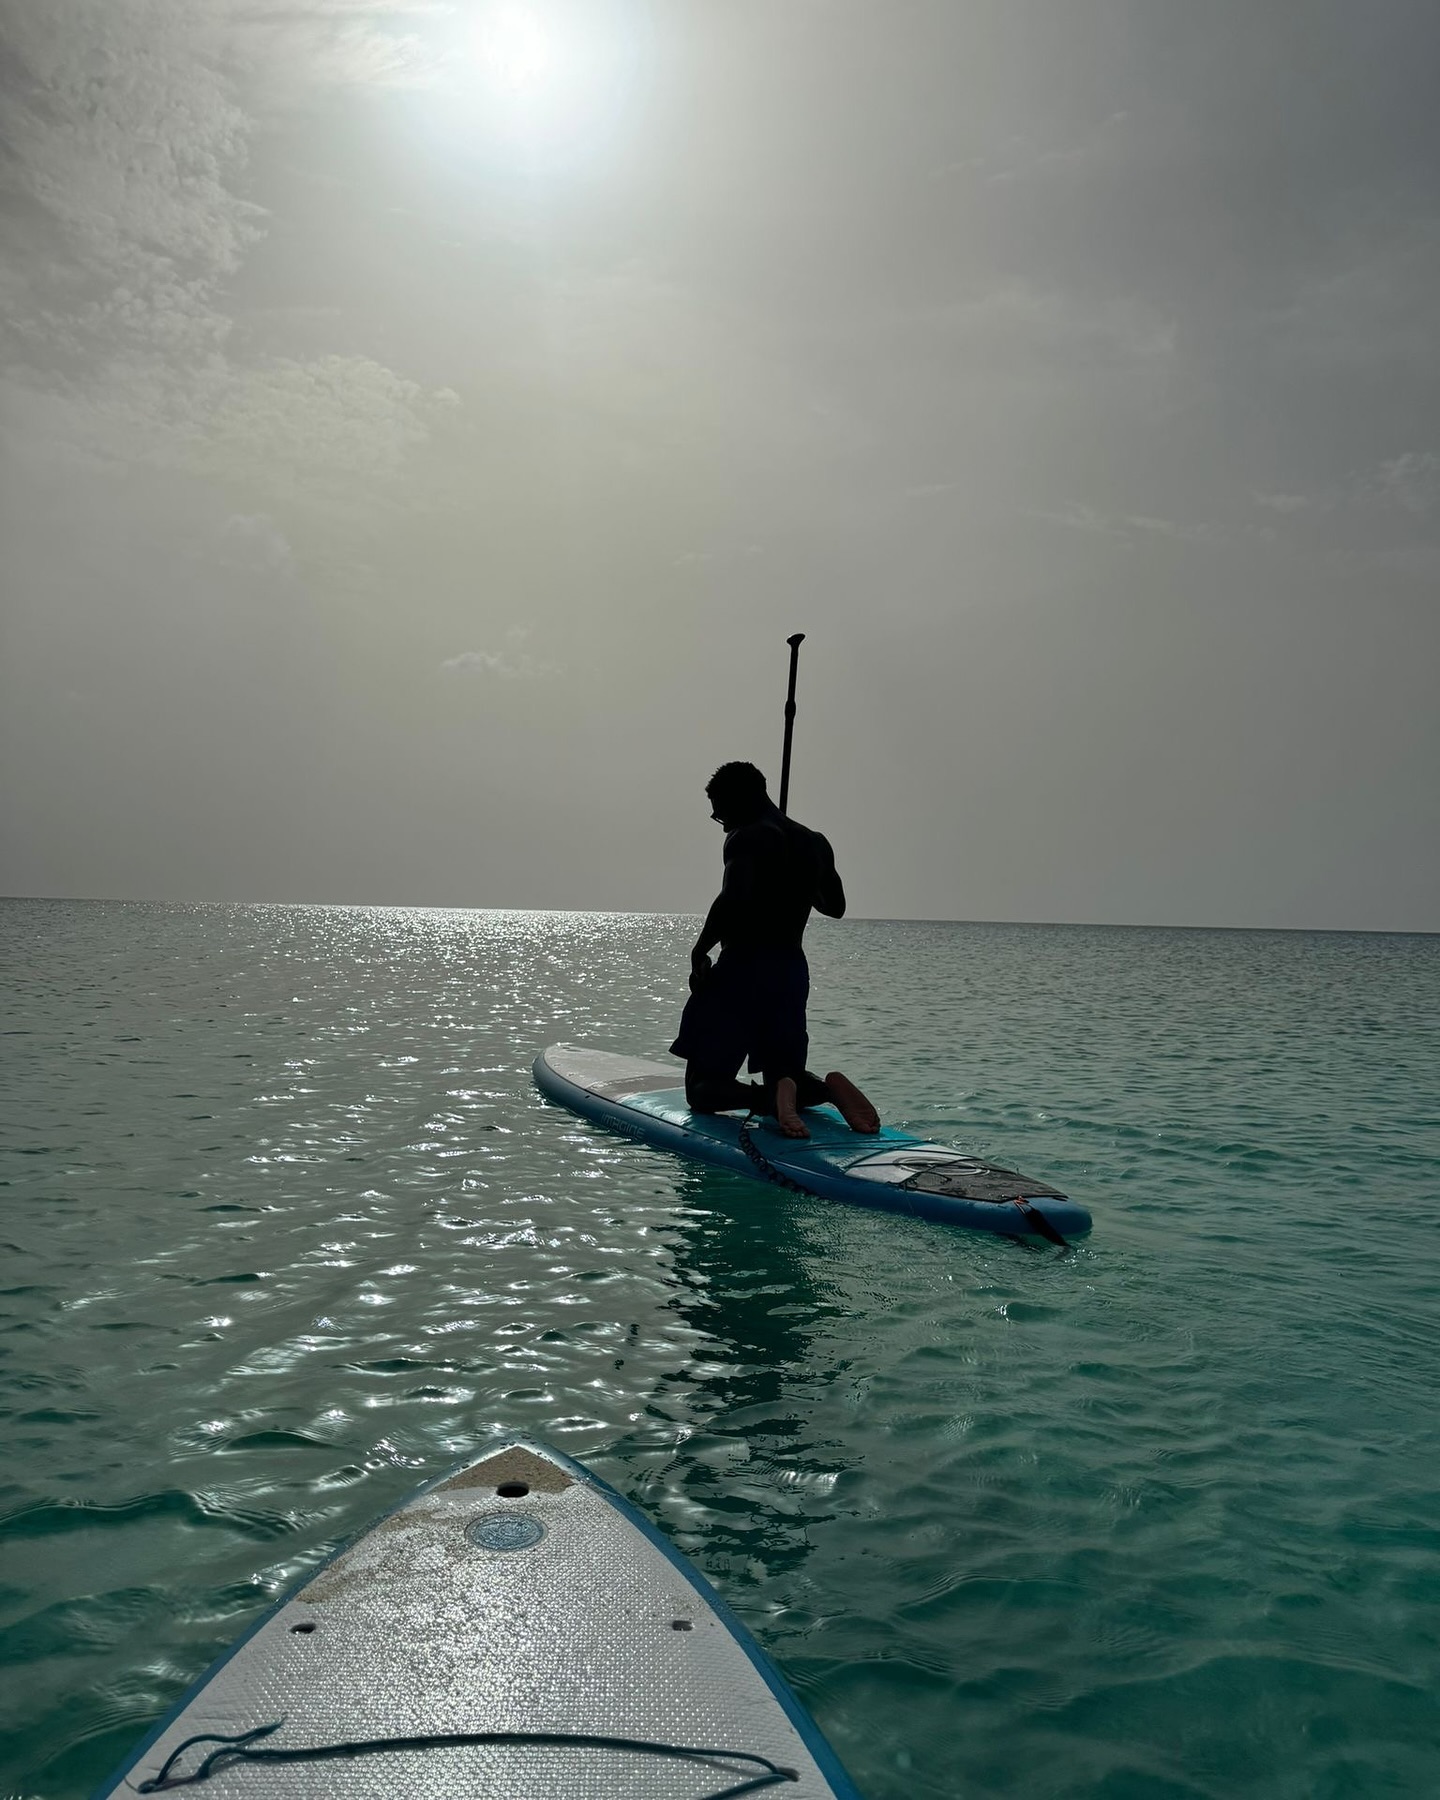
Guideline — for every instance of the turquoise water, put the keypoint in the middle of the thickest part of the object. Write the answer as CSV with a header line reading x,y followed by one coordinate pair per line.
x,y
286,1230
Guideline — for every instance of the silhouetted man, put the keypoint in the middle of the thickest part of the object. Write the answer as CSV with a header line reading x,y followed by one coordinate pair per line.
x,y
751,1002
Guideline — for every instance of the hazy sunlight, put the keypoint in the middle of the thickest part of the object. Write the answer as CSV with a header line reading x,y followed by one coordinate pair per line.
x,y
514,50
551,80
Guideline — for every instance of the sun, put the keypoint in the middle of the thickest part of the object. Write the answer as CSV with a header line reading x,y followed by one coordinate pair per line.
x,y
544,84
514,50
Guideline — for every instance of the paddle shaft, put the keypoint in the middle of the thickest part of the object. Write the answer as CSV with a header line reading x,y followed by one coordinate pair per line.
x,y
794,643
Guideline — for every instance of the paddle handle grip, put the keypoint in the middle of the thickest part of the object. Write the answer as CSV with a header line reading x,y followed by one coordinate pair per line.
x,y
794,642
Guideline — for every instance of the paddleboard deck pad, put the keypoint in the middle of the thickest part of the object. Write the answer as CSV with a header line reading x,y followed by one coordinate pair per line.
x,y
890,1169
513,1631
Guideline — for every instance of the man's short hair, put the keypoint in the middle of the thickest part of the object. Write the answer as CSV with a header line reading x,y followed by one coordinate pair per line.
x,y
738,784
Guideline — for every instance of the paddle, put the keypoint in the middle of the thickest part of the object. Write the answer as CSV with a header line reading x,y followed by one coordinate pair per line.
x,y
794,643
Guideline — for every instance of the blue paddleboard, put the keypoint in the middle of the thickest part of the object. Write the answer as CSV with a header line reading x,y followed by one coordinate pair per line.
x,y
513,1629
890,1169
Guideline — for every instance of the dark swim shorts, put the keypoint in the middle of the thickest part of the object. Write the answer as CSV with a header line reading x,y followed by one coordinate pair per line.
x,y
752,1006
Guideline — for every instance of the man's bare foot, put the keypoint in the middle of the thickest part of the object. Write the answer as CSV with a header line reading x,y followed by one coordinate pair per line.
x,y
855,1109
787,1113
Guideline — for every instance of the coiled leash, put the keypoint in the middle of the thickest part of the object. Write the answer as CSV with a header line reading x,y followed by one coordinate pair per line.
x,y
763,1163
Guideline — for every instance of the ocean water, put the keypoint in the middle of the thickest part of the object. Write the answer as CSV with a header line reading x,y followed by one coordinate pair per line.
x,y
286,1230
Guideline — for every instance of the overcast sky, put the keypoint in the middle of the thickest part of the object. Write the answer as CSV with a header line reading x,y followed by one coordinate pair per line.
x,y
423,424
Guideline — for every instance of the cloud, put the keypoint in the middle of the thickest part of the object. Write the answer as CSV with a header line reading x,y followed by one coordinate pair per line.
x,y
1405,484
931,490
1129,528
1023,319
1282,503
692,559
514,663
123,224
1074,517
1019,158
1372,309
1188,532
125,139
1411,482
334,421
296,44
256,542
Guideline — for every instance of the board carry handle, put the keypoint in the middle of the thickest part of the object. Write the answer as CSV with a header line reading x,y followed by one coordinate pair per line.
x,y
794,643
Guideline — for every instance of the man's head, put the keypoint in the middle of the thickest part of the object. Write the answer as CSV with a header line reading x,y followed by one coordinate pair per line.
x,y
737,794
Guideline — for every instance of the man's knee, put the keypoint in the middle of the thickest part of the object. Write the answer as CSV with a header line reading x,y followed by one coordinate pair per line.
x,y
707,1091
704,1093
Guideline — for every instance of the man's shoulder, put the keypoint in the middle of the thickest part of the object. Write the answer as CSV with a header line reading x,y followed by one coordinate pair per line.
x,y
754,835
808,835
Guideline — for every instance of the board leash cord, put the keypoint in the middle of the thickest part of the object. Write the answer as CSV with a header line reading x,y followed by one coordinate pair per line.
x,y
763,1163
245,1747
1032,1215
1038,1222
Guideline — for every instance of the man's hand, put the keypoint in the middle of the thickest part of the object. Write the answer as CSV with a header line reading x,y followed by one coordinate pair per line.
x,y
701,969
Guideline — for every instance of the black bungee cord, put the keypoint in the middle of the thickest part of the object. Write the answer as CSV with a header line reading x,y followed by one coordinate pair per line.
x,y
1032,1215
245,1748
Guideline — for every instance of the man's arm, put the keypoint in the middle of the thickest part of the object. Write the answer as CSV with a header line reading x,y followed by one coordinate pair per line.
x,y
713,930
829,895
739,876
